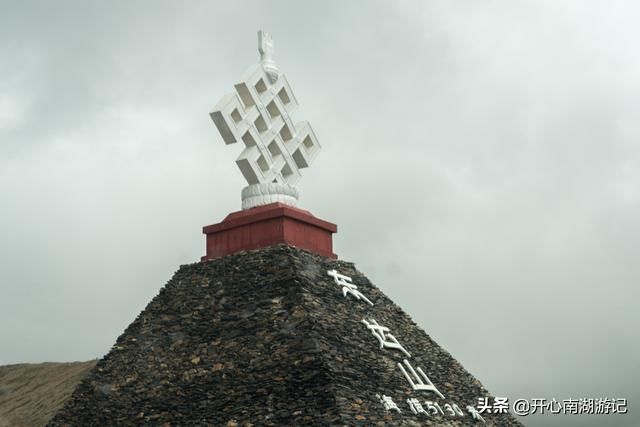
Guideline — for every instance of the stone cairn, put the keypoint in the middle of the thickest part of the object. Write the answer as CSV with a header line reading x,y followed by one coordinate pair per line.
x,y
267,337
270,328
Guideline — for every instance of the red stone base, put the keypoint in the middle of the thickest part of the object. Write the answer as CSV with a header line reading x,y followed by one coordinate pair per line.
x,y
269,225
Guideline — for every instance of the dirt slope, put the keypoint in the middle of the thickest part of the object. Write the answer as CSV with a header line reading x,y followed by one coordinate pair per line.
x,y
30,394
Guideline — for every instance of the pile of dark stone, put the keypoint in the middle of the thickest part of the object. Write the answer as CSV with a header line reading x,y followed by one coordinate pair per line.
x,y
267,337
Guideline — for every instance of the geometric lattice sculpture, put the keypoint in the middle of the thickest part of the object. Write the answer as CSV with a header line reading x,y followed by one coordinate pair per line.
x,y
258,112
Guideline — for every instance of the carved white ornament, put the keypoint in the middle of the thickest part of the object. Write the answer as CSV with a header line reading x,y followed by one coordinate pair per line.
x,y
258,113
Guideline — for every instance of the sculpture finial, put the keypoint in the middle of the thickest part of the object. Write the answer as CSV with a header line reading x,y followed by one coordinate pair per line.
x,y
265,47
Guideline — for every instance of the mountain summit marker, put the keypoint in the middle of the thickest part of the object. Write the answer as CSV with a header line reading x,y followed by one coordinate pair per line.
x,y
276,148
270,328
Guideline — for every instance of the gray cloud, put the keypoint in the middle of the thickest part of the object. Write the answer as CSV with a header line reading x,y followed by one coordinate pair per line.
x,y
482,163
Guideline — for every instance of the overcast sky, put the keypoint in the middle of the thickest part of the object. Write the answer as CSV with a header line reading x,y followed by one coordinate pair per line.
x,y
481,159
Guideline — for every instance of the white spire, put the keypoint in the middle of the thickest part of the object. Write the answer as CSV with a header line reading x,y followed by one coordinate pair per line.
x,y
265,47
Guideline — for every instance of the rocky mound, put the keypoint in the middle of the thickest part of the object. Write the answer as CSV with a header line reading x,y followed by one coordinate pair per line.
x,y
268,337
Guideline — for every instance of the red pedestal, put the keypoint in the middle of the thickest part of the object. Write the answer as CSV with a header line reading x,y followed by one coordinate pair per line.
x,y
269,225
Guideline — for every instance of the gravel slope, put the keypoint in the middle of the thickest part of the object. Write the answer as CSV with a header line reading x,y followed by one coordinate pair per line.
x,y
30,394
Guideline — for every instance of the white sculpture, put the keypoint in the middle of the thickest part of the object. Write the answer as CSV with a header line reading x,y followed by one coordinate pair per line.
x,y
258,112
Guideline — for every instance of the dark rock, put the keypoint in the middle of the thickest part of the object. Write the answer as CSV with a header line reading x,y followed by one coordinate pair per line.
x,y
267,338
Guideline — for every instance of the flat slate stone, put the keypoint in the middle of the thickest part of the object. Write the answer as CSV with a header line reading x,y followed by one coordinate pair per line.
x,y
266,337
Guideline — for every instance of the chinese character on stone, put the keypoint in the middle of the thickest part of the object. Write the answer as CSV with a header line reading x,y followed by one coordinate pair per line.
x,y
347,287
475,414
416,406
389,404
418,383
384,337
